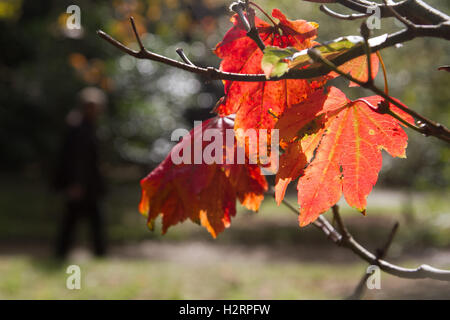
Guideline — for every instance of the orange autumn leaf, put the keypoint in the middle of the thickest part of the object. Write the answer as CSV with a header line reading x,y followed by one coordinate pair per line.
x,y
357,68
204,193
300,151
257,104
341,142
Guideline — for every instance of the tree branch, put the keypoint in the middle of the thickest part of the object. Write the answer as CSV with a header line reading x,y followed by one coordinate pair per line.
x,y
428,127
421,272
249,25
183,56
380,254
415,11
320,223
439,31
337,15
345,239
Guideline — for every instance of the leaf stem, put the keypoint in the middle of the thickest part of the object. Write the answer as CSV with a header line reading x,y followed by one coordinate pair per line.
x,y
380,254
383,67
263,12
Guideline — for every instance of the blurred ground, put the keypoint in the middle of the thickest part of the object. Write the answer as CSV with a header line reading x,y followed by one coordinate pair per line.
x,y
262,256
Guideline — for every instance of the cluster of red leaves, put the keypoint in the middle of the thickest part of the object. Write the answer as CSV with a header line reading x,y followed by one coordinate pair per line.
x,y
255,103
331,145
334,146
204,193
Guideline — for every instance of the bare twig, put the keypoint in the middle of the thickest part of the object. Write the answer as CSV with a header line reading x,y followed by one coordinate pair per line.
x,y
263,12
340,223
380,254
345,239
337,15
183,56
421,272
429,127
365,32
403,20
239,8
415,11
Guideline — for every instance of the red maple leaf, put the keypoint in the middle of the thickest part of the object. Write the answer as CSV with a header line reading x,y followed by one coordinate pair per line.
x,y
357,68
334,146
256,103
204,193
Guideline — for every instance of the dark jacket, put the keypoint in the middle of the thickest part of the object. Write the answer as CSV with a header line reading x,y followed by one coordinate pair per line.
x,y
78,161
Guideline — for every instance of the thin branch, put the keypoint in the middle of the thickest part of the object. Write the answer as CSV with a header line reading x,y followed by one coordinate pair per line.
x,y
402,36
365,32
345,239
249,25
183,56
356,6
336,15
340,223
380,254
428,128
209,72
136,34
321,223
400,119
238,7
403,20
415,11
263,12
441,29
383,67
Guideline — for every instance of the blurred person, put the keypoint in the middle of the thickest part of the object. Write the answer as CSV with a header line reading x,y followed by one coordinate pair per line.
x,y
78,174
